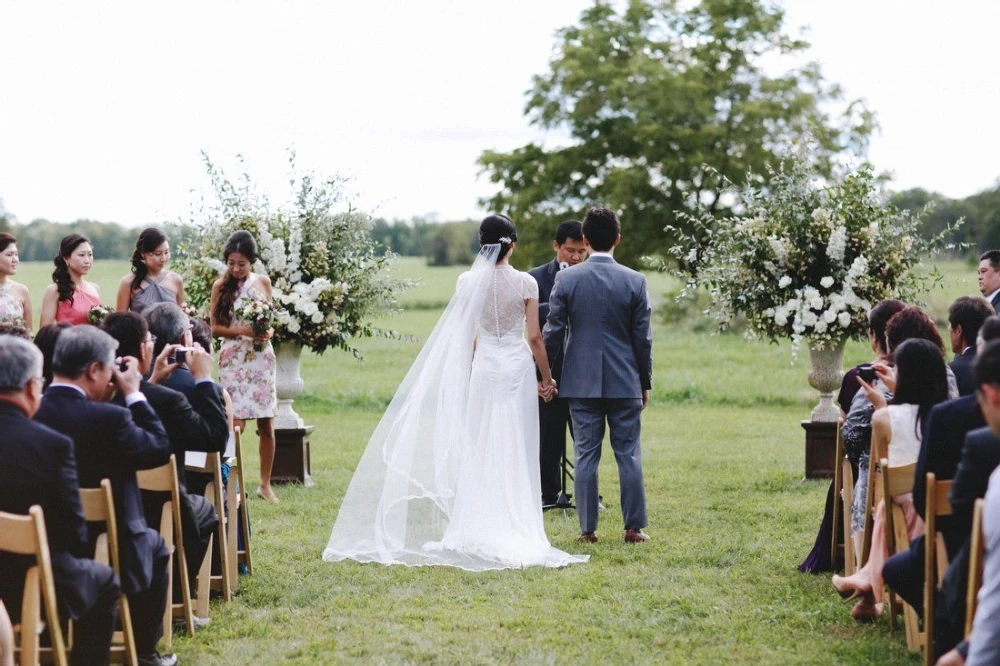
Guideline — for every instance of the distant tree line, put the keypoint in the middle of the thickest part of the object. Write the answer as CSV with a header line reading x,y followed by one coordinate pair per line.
x,y
981,229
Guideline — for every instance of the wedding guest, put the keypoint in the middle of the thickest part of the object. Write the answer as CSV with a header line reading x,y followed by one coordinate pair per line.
x,y
965,316
39,467
198,425
855,432
15,302
150,282
989,277
920,383
553,416
70,297
45,340
246,363
114,442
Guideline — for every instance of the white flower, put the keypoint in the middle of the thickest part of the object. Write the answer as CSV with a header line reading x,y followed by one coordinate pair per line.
x,y
820,326
810,294
837,246
780,317
778,248
826,282
784,281
317,317
830,316
809,319
858,268
822,215
844,319
816,303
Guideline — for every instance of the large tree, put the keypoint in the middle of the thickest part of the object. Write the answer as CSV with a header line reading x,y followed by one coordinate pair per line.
x,y
663,103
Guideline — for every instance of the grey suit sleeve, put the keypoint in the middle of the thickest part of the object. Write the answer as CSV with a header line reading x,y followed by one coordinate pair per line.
x,y
642,336
554,330
984,643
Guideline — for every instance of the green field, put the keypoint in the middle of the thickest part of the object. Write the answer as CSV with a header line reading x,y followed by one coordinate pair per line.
x,y
730,516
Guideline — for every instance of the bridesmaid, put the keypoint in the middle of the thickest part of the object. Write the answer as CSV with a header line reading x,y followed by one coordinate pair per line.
x,y
247,374
15,303
71,297
150,282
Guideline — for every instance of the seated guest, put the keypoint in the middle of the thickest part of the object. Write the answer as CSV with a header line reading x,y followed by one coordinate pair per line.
x,y
920,383
984,642
965,316
39,467
856,432
45,340
113,442
199,425
940,451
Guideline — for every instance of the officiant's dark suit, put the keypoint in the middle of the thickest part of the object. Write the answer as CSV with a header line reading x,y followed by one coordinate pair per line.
x,y
39,468
113,442
599,326
553,416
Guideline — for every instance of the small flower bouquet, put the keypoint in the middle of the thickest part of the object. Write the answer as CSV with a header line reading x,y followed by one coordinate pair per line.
x,y
807,260
98,313
260,315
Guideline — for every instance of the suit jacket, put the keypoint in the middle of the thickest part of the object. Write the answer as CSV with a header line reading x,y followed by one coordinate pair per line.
x,y
39,468
113,442
980,456
961,365
995,302
196,425
601,310
545,276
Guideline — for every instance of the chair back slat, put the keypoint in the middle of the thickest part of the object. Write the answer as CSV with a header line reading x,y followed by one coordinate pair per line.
x,y
900,480
977,550
17,534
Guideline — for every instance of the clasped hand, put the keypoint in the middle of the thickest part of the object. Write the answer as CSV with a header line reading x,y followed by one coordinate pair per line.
x,y
547,391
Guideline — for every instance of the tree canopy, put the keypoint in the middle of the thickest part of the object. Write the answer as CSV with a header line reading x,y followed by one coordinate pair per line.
x,y
661,104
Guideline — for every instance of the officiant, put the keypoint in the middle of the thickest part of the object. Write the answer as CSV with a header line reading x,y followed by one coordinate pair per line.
x,y
553,417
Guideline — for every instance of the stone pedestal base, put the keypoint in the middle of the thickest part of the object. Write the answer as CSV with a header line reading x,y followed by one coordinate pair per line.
x,y
291,456
821,448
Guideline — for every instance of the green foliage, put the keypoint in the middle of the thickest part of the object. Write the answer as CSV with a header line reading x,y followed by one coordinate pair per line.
x,y
327,276
649,96
805,261
453,244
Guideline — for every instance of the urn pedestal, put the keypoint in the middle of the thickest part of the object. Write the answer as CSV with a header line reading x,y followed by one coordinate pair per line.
x,y
292,462
825,376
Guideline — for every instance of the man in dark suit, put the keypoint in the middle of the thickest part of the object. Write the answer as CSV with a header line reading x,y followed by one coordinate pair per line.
x,y
39,468
599,323
965,316
199,425
553,416
113,442
989,277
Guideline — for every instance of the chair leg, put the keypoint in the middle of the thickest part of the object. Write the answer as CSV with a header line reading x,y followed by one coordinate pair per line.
x,y
205,580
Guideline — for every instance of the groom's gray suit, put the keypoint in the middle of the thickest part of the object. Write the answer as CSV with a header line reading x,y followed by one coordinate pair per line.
x,y
600,309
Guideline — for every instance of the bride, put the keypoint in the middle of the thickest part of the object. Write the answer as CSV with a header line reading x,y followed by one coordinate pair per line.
x,y
450,475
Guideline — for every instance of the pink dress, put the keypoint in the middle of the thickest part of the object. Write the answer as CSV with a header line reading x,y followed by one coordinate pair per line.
x,y
75,312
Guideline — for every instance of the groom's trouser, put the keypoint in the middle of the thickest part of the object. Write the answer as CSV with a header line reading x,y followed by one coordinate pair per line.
x,y
623,418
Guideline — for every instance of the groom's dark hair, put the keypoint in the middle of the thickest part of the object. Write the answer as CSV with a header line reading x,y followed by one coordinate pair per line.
x,y
601,228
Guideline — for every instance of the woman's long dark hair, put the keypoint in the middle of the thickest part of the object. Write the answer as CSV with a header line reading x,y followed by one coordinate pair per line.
x,y
148,241
921,377
61,276
243,243
495,227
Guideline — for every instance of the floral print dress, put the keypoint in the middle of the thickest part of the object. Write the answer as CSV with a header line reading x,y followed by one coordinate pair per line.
x,y
11,308
248,374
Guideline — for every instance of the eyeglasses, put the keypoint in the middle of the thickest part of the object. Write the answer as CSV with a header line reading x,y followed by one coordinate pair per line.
x,y
152,338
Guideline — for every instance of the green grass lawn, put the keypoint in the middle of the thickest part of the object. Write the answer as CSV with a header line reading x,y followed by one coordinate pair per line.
x,y
730,516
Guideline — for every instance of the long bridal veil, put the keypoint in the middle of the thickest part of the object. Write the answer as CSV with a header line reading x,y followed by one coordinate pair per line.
x,y
402,492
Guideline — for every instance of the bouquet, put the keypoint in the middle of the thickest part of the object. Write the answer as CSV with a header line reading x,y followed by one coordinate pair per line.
x,y
260,315
97,314
807,260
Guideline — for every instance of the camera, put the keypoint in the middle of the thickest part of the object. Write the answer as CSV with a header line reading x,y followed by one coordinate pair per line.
x,y
122,365
179,355
867,373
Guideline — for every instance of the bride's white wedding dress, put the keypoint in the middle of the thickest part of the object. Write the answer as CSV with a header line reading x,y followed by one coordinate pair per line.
x,y
450,475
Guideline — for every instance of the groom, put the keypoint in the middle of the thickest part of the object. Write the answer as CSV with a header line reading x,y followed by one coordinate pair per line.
x,y
598,327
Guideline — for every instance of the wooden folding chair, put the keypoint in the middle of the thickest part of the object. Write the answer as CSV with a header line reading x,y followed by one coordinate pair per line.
x,y
935,555
243,507
851,553
977,552
872,496
164,479
25,535
214,493
838,482
896,481
99,507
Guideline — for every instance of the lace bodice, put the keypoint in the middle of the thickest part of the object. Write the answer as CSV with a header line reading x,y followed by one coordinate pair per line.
x,y
503,310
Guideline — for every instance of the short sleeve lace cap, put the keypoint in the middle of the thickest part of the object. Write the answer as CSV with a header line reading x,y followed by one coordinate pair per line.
x,y
530,290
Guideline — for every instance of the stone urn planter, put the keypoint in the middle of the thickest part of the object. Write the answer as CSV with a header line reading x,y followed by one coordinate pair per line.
x,y
289,385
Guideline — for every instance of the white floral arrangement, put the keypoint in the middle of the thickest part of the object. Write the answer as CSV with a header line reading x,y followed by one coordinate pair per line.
x,y
328,280
806,262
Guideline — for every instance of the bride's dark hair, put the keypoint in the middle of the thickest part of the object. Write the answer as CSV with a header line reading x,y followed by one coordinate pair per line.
x,y
498,229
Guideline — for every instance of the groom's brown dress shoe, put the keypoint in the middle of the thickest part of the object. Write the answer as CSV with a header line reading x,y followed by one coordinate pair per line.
x,y
635,536
587,537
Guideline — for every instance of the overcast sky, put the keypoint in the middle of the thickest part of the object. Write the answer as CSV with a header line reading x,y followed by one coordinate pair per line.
x,y
106,105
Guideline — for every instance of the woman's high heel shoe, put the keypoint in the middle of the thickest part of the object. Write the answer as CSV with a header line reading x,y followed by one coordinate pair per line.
x,y
269,495
867,610
848,589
